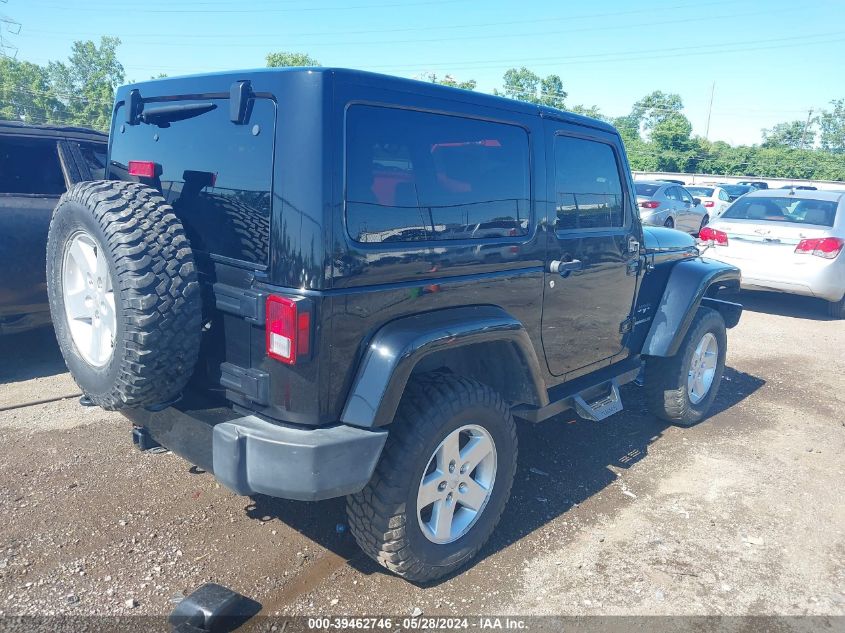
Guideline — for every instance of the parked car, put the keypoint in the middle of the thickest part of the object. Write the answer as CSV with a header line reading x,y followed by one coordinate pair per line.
x,y
672,180
669,205
713,198
736,191
789,242
801,187
393,381
37,164
757,184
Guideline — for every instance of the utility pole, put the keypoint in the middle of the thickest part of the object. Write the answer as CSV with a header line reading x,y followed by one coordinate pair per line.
x,y
709,112
806,127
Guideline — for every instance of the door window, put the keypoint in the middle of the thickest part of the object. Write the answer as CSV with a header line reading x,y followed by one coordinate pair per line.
x,y
588,188
416,176
685,195
724,196
30,166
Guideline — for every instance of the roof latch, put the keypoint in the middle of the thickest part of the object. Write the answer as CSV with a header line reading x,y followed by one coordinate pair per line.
x,y
134,105
240,99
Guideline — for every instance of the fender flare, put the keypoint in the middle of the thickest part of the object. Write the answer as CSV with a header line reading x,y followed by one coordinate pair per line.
x,y
686,289
400,345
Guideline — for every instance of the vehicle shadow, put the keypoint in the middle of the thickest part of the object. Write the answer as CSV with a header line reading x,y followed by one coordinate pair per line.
x,y
780,304
562,463
32,354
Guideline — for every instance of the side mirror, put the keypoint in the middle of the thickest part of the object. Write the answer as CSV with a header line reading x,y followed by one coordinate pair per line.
x,y
696,201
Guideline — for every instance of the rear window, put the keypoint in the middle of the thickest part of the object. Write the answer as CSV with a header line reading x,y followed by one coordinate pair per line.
x,y
795,211
645,190
415,176
704,192
736,190
30,166
216,174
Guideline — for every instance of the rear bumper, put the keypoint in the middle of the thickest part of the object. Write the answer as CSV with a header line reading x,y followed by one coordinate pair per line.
x,y
799,275
250,456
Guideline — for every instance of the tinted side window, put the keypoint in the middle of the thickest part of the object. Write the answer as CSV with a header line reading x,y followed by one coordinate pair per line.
x,y
414,176
30,166
588,189
216,174
724,196
685,196
95,156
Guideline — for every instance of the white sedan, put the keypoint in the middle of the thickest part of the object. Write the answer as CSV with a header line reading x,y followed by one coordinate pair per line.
x,y
784,240
714,199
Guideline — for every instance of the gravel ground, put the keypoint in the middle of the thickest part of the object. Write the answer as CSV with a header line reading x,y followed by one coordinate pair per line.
x,y
742,514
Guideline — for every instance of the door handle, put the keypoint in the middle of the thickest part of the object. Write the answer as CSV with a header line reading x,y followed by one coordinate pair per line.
x,y
565,268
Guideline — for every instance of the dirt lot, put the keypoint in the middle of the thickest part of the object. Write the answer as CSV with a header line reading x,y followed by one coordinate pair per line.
x,y
742,514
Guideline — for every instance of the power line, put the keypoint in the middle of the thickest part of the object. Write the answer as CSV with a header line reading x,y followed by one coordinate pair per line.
x,y
439,27
254,11
178,42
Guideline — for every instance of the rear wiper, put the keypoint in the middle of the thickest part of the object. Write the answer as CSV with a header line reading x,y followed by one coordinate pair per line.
x,y
163,116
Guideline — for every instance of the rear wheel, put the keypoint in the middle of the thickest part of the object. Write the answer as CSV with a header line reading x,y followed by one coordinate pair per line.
x,y
836,309
681,388
443,480
669,223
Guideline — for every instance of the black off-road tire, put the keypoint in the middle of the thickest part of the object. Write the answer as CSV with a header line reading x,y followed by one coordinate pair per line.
x,y
383,516
666,378
836,309
156,292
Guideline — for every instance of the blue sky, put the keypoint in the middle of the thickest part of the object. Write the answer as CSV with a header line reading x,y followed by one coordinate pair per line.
x,y
772,60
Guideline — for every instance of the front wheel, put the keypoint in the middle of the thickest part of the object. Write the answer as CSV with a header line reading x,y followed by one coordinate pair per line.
x,y
681,388
443,480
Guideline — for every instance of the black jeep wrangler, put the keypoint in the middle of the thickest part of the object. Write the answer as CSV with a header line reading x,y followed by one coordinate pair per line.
x,y
322,282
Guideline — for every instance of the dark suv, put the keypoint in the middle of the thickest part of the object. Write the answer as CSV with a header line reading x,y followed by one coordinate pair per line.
x,y
37,165
321,282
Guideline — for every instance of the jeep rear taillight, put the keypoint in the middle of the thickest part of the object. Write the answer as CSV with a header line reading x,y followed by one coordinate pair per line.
x,y
827,247
143,168
288,330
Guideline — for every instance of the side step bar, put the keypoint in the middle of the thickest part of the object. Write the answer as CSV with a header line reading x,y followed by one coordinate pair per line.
x,y
593,397
600,408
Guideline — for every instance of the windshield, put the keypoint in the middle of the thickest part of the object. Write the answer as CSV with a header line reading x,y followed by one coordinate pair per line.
x,y
736,190
701,192
813,212
645,190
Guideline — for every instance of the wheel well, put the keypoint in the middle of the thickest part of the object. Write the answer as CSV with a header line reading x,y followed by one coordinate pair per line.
x,y
498,364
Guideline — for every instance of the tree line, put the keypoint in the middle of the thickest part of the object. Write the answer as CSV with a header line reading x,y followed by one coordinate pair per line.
x,y
657,134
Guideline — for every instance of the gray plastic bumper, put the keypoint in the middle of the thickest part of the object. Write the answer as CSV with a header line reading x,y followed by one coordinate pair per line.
x,y
252,456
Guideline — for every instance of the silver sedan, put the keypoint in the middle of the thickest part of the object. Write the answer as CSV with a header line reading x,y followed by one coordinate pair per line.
x,y
789,241
670,205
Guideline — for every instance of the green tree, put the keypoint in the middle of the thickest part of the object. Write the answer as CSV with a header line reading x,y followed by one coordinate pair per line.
x,y
448,80
790,134
525,85
654,108
591,111
26,93
87,82
832,127
672,132
284,59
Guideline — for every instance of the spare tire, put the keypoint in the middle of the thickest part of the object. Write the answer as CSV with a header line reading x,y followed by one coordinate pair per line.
x,y
124,294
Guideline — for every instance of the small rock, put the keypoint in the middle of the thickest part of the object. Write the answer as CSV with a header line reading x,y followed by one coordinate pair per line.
x,y
417,612
131,603
334,601
71,599
754,540
107,579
